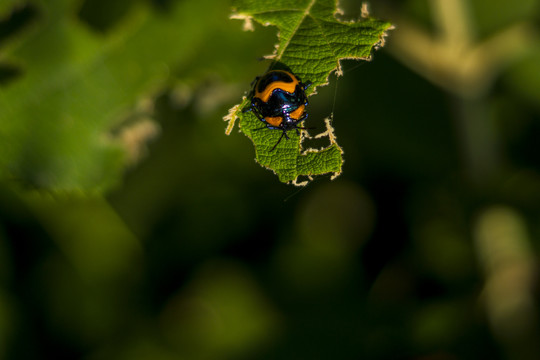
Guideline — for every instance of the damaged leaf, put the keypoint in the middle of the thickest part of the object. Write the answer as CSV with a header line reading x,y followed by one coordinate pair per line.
x,y
312,41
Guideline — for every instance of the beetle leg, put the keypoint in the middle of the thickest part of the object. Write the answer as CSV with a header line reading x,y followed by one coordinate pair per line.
x,y
257,113
304,117
281,137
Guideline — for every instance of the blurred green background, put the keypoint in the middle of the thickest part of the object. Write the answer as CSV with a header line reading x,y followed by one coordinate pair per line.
x,y
131,227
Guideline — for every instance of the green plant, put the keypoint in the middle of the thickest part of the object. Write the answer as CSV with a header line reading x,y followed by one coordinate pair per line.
x,y
312,41
77,110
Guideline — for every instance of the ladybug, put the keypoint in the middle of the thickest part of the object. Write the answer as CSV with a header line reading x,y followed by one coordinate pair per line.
x,y
279,100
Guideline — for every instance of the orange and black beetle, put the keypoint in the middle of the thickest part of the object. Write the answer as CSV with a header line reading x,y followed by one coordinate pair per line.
x,y
279,100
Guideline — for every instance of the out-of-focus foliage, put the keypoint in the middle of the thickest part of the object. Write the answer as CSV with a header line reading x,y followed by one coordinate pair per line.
x,y
74,85
425,248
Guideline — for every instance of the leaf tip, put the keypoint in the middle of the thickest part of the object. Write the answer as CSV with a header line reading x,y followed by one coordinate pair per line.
x,y
364,11
329,132
333,143
232,116
248,21
335,175
301,183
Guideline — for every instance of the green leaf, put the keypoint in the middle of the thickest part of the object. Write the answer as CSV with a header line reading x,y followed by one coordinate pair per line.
x,y
63,119
312,41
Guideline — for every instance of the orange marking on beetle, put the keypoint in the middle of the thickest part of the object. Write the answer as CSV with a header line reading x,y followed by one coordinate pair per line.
x,y
289,87
274,121
297,114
